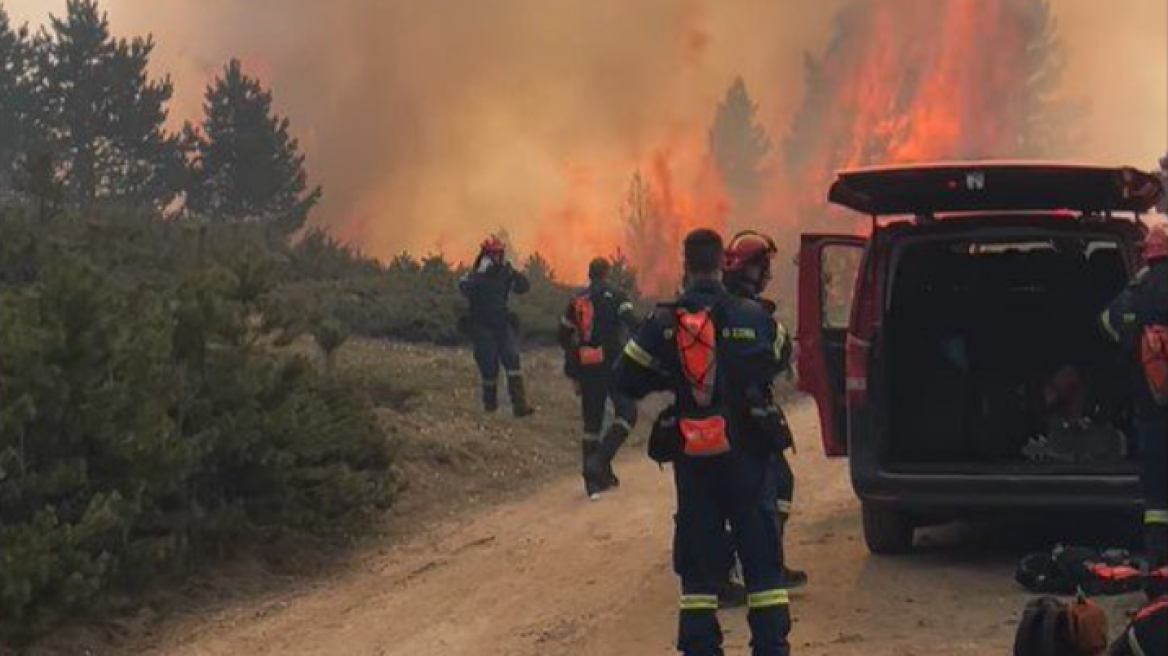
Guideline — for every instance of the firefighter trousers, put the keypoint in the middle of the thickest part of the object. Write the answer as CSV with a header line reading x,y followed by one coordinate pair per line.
x,y
596,392
781,494
711,492
494,345
1154,481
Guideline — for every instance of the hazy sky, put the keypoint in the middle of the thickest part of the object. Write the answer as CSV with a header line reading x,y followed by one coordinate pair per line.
x,y
429,122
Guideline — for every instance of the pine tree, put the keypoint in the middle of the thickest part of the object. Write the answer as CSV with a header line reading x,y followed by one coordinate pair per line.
x,y
15,100
104,117
739,146
247,166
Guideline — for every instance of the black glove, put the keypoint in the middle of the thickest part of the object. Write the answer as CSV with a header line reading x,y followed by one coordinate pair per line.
x,y
665,442
772,423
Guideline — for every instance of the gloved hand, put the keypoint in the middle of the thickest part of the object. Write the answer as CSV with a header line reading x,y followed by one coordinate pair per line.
x,y
772,423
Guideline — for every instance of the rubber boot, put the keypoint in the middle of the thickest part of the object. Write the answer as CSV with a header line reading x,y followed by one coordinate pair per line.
x,y
490,395
518,392
592,486
599,466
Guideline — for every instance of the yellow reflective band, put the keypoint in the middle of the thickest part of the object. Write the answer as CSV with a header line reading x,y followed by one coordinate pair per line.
x,y
768,599
1105,321
699,602
1156,517
634,352
785,507
622,423
625,307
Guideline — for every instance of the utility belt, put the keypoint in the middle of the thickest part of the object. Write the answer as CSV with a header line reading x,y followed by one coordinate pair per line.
x,y
705,433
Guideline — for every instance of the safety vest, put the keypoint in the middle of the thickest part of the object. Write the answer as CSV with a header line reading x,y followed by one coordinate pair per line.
x,y
584,312
1154,359
702,427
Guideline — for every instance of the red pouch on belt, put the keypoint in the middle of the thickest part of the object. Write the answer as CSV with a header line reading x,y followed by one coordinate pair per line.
x,y
704,437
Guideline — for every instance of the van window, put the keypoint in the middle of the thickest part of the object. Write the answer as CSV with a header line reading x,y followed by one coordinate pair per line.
x,y
841,265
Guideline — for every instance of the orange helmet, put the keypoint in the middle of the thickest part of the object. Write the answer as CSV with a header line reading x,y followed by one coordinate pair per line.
x,y
492,245
1156,244
748,248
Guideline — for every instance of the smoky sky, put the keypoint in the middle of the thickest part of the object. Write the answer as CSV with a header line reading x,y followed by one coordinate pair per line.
x,y
431,122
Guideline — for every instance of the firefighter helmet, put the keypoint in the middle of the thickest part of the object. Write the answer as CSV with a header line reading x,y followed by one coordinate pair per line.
x,y
749,248
1156,244
493,245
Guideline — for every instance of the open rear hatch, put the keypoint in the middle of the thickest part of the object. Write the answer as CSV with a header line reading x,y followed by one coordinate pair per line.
x,y
935,189
986,190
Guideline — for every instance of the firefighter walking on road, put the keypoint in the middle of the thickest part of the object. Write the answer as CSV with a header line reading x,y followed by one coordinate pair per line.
x,y
593,331
1138,319
748,272
715,353
487,288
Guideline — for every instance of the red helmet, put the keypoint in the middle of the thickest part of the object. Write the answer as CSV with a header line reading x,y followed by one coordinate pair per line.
x,y
1156,244
492,245
749,248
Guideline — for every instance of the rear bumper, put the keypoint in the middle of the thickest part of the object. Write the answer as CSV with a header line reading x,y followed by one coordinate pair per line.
x,y
966,492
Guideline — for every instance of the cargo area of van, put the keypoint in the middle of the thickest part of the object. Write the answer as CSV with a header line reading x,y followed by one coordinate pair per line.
x,y
995,360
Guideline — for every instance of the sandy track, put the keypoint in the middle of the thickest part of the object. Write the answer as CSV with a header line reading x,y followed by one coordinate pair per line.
x,y
554,575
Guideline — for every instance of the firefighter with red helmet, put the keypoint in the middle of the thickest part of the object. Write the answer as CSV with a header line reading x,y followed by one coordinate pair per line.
x,y
593,331
715,353
747,274
1138,320
488,287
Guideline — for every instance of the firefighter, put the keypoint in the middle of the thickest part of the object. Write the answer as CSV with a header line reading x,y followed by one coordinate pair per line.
x,y
715,353
1137,319
488,287
747,274
593,331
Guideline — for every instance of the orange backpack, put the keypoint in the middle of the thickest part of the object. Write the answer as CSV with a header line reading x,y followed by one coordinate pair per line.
x,y
703,434
585,313
1154,358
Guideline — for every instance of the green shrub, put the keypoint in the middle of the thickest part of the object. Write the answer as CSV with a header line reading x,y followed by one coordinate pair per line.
x,y
147,421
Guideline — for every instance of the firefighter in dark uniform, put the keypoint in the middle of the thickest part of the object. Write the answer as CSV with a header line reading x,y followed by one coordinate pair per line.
x,y
1138,320
487,288
593,331
715,353
748,272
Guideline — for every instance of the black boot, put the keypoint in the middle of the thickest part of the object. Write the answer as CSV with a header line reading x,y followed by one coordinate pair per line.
x,y
490,395
599,465
518,392
592,485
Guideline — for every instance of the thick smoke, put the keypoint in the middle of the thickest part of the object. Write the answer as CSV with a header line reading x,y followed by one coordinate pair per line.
x,y
432,122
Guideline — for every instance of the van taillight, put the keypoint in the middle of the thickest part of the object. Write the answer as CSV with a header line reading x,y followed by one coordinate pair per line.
x,y
858,352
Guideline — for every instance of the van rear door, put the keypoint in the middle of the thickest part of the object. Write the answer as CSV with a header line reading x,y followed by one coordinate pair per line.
x,y
828,268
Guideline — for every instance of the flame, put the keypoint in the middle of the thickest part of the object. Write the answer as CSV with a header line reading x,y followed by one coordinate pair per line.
x,y
905,82
681,191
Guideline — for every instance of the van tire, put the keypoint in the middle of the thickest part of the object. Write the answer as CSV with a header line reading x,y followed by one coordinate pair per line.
x,y
887,531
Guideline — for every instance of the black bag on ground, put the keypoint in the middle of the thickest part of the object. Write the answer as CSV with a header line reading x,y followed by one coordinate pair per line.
x,y
1045,630
1067,570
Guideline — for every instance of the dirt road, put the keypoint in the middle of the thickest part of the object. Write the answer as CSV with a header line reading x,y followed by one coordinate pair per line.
x,y
553,575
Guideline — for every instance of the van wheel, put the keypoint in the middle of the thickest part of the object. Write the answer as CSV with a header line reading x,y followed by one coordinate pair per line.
x,y
887,531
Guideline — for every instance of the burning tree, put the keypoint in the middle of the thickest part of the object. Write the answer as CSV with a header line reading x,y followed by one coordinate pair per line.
x,y
739,146
905,81
247,166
